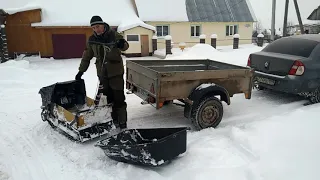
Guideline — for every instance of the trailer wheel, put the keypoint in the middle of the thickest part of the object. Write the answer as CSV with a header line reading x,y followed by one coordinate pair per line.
x,y
208,113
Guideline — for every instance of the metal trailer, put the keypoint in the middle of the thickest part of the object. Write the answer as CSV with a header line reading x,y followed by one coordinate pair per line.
x,y
195,83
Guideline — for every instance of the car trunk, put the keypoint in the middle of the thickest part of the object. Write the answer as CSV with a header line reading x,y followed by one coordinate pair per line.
x,y
272,63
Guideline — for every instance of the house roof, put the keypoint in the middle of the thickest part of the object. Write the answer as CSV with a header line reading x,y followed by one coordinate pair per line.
x,y
164,10
196,10
220,11
73,13
315,15
307,22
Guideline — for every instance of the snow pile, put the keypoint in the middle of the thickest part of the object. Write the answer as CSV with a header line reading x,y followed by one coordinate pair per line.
x,y
291,153
15,64
14,73
199,51
222,54
214,36
165,10
236,36
252,151
132,23
202,36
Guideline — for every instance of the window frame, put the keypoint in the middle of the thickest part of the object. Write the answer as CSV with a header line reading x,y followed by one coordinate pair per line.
x,y
133,35
233,31
162,25
195,27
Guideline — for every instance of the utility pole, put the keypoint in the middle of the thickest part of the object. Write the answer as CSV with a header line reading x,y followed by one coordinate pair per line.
x,y
298,15
273,19
284,32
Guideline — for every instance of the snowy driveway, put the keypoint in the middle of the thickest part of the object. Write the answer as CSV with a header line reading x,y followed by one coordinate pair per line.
x,y
249,144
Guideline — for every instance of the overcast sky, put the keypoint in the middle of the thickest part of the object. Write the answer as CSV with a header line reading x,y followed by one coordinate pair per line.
x,y
263,11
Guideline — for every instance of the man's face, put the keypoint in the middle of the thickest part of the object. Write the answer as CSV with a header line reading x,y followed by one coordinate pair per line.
x,y
98,28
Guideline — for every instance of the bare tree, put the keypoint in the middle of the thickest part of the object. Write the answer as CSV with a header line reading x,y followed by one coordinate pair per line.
x,y
317,28
290,28
258,27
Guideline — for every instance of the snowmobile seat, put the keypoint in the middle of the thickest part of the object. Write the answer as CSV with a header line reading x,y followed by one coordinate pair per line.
x,y
66,94
67,109
146,147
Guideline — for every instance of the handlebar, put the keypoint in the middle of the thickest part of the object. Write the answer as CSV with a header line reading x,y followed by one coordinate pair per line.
x,y
104,44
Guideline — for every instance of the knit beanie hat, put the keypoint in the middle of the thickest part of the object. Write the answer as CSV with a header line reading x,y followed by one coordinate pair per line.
x,y
96,20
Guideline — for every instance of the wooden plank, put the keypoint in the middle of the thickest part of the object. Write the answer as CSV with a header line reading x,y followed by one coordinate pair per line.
x,y
142,70
208,74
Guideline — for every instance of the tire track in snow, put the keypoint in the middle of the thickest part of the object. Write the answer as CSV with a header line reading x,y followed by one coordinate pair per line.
x,y
23,154
31,160
213,151
263,105
147,116
266,113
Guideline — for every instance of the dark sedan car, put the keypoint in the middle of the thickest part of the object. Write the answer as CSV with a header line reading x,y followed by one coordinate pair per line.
x,y
290,65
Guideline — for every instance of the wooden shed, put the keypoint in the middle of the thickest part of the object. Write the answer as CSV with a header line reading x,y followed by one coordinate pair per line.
x,y
34,30
57,42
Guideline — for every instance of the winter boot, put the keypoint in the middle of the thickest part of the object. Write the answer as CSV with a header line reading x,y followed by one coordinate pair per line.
x,y
114,117
122,117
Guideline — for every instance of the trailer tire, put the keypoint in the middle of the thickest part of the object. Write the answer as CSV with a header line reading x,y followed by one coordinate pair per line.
x,y
208,113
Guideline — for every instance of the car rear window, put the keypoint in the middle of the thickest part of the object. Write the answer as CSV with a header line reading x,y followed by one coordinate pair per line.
x,y
292,46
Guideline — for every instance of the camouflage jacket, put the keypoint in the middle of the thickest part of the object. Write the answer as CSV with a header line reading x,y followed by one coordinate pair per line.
x,y
113,65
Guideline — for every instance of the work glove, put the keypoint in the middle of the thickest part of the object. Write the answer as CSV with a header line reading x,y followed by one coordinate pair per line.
x,y
78,76
120,43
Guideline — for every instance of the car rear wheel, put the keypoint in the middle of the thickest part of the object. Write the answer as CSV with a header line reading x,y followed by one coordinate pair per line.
x,y
256,85
315,97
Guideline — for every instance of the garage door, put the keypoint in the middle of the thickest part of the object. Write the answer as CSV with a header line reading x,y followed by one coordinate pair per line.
x,y
67,46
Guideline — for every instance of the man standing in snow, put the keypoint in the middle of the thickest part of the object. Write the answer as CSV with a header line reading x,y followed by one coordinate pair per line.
x,y
110,73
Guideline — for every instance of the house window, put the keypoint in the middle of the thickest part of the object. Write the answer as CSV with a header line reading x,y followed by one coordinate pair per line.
x,y
162,30
133,38
195,31
231,30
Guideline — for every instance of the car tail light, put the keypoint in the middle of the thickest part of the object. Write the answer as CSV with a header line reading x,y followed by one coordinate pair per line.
x,y
249,62
297,68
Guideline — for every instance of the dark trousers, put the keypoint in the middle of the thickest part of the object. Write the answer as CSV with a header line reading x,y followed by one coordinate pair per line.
x,y
113,88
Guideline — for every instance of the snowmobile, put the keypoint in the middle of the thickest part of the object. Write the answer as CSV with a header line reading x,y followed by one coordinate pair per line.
x,y
67,108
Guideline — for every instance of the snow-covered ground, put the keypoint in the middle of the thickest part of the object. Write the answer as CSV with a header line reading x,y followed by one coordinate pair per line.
x,y
204,51
272,136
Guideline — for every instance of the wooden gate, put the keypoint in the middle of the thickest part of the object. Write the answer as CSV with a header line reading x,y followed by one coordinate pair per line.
x,y
66,46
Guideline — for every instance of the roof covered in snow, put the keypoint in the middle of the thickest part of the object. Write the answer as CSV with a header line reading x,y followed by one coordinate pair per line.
x,y
196,10
163,10
27,7
130,23
72,13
